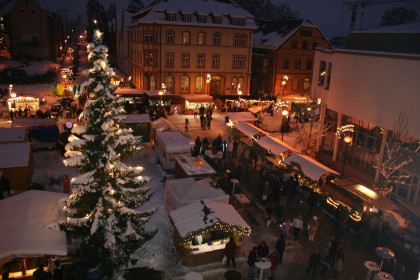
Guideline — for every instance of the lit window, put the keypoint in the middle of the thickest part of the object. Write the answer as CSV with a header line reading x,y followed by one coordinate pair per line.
x,y
184,84
186,38
201,38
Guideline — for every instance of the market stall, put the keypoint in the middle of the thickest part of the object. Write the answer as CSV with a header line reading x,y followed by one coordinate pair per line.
x,y
25,232
247,133
163,124
43,133
309,167
140,125
168,146
181,192
22,102
203,228
193,102
13,135
235,117
274,146
192,167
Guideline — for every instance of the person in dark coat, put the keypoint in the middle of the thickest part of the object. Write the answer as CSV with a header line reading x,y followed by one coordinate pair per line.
x,y
58,271
230,249
252,258
262,250
314,263
280,247
40,273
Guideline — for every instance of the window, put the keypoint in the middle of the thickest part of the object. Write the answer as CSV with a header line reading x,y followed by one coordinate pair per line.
x,y
306,84
236,41
322,72
202,19
184,84
234,84
294,45
314,45
170,35
216,39
2,26
148,37
306,32
171,17
308,65
185,60
327,84
304,45
201,60
237,21
199,84
238,61
243,40
185,38
215,61
285,63
149,59
297,63
217,20
186,18
170,83
201,38
169,60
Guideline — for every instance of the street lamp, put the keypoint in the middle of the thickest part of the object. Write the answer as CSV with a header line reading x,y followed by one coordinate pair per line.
x,y
208,80
161,92
347,140
284,80
284,114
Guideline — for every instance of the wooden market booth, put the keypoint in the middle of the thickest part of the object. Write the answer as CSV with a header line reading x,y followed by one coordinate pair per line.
x,y
202,229
140,124
170,145
196,167
192,102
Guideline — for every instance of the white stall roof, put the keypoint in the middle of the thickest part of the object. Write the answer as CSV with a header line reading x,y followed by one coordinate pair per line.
x,y
193,217
241,116
195,165
309,167
24,218
137,118
163,124
197,97
248,129
181,192
14,134
14,154
173,141
274,145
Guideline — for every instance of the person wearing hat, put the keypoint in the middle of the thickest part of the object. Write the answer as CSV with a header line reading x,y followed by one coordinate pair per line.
x,y
313,228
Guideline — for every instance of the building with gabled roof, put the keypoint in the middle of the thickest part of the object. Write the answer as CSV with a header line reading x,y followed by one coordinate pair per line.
x,y
179,42
283,55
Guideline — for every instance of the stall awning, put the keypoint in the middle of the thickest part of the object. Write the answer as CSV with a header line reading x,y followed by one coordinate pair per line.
x,y
249,129
197,97
163,124
241,117
15,154
308,166
24,231
274,145
255,109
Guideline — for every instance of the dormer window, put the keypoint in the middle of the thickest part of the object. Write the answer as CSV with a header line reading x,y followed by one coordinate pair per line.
x,y
238,21
186,18
202,19
171,17
217,20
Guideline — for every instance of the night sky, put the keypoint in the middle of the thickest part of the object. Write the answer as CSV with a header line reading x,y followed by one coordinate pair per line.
x,y
331,16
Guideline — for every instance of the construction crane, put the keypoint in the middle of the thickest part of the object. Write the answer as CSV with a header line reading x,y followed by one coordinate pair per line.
x,y
354,5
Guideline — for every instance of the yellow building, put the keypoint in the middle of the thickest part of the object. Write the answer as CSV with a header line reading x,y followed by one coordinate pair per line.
x,y
192,47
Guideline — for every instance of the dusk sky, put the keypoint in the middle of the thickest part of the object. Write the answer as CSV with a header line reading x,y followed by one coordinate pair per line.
x,y
331,16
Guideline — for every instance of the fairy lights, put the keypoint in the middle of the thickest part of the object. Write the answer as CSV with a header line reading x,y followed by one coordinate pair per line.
x,y
343,130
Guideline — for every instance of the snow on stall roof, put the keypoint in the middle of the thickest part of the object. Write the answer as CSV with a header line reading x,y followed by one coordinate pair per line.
x,y
14,154
173,141
136,118
248,129
195,165
34,122
14,134
274,145
163,124
413,27
310,167
190,218
24,218
241,116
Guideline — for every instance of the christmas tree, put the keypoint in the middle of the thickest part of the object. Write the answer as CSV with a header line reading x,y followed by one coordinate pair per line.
x,y
101,209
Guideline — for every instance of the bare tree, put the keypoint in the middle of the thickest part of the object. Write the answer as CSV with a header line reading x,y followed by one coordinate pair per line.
x,y
394,158
398,15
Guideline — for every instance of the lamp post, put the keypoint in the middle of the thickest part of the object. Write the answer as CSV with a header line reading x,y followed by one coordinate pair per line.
x,y
284,80
347,140
284,114
208,80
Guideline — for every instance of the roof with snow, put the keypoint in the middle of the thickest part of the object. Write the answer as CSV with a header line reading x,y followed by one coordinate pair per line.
x,y
195,166
34,122
413,27
137,118
163,124
274,145
173,141
241,116
248,129
14,134
308,166
204,214
181,192
15,155
273,34
224,10
24,218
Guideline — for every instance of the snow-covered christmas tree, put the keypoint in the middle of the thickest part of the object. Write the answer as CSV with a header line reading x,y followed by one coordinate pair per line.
x,y
101,209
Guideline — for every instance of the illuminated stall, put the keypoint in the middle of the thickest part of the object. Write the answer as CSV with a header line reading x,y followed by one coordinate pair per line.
x,y
170,145
248,132
203,228
22,102
192,102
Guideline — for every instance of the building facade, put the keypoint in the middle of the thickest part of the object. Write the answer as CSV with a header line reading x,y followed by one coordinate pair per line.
x,y
370,90
192,47
31,30
283,56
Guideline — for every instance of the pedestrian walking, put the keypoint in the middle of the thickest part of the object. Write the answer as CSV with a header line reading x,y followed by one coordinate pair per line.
x,y
187,123
252,258
235,148
297,226
314,262
280,247
273,268
230,249
313,226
